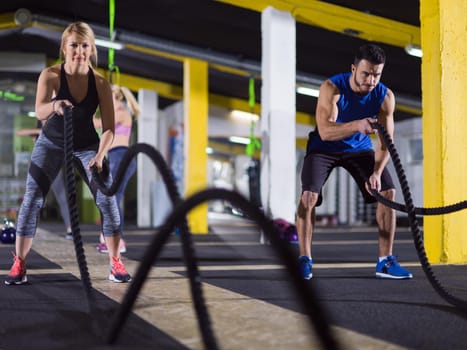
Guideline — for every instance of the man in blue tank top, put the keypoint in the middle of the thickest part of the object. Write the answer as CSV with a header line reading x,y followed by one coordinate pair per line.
x,y
347,104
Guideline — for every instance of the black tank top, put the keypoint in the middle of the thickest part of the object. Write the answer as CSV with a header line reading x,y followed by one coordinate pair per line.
x,y
84,134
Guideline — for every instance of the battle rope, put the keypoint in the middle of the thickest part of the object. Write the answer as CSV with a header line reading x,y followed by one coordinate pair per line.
x,y
312,307
304,289
179,215
420,210
410,209
187,243
74,216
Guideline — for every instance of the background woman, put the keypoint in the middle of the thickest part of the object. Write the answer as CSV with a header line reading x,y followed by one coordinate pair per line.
x,y
126,108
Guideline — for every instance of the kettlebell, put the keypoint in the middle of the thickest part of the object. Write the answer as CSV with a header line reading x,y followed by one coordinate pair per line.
x,y
8,234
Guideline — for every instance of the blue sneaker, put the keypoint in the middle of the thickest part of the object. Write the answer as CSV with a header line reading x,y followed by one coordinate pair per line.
x,y
390,268
305,267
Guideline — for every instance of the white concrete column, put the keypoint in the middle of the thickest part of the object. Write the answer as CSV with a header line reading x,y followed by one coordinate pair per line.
x,y
352,200
343,199
146,170
278,114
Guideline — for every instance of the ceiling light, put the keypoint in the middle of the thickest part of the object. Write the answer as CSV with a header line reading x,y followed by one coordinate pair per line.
x,y
241,115
240,140
22,17
351,32
414,50
109,44
308,90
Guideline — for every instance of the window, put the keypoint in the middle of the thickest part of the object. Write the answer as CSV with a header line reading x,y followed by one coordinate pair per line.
x,y
415,150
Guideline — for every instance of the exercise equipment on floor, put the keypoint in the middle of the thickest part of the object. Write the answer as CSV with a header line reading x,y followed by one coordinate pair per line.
x,y
412,211
8,232
177,222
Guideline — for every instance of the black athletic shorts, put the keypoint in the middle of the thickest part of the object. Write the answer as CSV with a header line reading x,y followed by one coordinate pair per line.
x,y
317,166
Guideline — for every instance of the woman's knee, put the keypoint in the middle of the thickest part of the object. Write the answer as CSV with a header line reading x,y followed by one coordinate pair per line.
x,y
108,207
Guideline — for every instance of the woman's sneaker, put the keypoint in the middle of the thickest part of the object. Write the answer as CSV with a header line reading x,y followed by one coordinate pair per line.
x,y
118,272
102,247
390,268
17,273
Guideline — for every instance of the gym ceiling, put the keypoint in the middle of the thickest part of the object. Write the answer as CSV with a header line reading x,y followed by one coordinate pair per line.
x,y
158,34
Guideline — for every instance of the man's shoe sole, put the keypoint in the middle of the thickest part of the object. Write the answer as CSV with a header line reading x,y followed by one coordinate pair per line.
x,y
392,277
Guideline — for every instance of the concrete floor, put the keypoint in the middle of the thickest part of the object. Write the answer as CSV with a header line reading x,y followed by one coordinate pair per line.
x,y
249,296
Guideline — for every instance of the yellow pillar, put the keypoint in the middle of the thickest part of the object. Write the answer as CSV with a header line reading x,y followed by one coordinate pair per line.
x,y
195,98
444,96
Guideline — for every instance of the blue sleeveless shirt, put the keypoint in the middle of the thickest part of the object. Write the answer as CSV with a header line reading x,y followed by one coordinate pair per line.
x,y
351,106
85,136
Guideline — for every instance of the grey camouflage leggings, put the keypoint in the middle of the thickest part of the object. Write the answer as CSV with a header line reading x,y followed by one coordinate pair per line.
x,y
46,162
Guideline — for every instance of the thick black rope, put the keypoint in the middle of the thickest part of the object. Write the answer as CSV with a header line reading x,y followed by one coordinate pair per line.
x,y
73,210
201,311
313,308
414,226
451,208
156,245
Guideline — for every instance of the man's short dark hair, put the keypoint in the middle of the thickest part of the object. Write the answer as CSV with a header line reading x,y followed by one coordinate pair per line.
x,y
370,52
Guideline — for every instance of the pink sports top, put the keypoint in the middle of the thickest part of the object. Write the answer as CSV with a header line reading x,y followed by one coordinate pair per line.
x,y
124,130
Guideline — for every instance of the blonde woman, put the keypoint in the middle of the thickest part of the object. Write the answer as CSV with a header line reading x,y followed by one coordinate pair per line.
x,y
126,108
77,85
